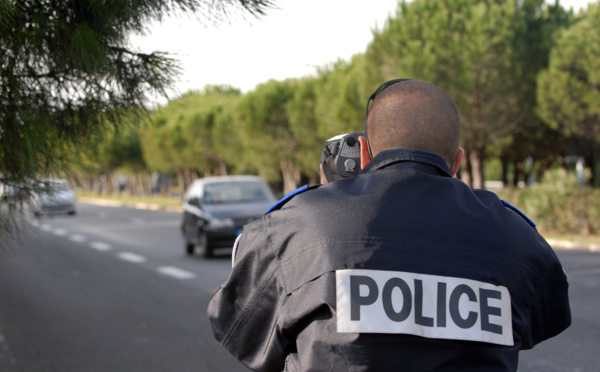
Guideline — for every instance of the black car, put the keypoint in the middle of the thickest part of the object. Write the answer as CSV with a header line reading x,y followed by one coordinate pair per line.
x,y
216,208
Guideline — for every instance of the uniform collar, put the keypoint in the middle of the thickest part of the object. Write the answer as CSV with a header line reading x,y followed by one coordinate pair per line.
x,y
389,157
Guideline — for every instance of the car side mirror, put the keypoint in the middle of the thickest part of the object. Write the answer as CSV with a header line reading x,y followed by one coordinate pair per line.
x,y
195,201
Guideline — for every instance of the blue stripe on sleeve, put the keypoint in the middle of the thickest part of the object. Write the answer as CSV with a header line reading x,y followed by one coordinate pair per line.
x,y
510,206
286,198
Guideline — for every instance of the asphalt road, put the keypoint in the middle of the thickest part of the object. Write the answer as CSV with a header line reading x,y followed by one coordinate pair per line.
x,y
111,289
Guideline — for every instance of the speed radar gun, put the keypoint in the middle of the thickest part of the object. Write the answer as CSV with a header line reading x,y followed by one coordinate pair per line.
x,y
341,156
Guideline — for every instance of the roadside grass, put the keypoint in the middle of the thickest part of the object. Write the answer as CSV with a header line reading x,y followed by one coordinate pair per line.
x,y
163,201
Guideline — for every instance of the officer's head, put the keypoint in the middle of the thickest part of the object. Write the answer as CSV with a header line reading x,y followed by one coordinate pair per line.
x,y
413,114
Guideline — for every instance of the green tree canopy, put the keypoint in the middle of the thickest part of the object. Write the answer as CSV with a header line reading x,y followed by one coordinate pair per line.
x,y
191,134
67,69
304,126
65,62
569,89
268,137
473,49
530,138
342,97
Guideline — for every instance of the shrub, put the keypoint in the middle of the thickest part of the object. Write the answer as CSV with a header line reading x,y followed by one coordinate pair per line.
x,y
559,204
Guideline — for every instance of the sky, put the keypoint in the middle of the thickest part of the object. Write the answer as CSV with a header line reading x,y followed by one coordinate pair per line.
x,y
290,41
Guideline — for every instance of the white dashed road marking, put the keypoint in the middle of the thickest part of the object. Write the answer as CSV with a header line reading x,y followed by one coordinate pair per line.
x,y
77,238
170,271
7,359
100,246
59,232
131,257
176,273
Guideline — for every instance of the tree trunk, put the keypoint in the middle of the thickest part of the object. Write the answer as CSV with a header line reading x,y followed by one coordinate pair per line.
x,y
561,161
132,181
147,183
591,163
97,184
181,182
465,169
517,166
505,162
187,181
222,168
476,161
291,176
114,182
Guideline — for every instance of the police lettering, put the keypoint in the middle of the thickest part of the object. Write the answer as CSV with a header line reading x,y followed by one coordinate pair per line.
x,y
433,306
365,292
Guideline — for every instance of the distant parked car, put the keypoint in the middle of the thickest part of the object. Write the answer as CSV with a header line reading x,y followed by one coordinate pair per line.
x,y
15,190
55,196
216,208
7,191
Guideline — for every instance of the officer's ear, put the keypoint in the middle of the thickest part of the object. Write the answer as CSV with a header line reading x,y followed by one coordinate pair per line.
x,y
365,158
459,156
323,177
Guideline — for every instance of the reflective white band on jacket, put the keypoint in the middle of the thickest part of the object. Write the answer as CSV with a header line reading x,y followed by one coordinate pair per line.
x,y
235,247
373,301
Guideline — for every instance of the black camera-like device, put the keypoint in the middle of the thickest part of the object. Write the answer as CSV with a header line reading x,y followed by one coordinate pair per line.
x,y
341,156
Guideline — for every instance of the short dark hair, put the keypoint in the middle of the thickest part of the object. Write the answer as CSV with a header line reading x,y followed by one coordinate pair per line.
x,y
414,114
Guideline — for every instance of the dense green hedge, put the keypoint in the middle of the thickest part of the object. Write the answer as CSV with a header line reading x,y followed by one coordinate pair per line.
x,y
559,204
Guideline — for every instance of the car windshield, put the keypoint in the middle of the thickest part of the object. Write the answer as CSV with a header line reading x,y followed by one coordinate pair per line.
x,y
234,192
54,187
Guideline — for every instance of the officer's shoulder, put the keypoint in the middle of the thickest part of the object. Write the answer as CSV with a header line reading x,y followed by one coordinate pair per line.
x,y
516,210
290,196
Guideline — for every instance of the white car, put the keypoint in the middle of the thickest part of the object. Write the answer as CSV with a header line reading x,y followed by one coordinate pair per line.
x,y
55,196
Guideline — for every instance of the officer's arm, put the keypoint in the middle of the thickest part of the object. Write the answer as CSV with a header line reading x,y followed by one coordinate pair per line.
x,y
244,310
550,313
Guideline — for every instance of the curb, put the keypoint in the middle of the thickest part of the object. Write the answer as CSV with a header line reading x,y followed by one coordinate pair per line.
x,y
568,245
554,243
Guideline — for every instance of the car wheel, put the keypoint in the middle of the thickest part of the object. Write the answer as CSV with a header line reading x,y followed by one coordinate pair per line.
x,y
207,249
189,248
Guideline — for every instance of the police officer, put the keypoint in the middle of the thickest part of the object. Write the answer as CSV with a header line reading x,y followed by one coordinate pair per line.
x,y
400,268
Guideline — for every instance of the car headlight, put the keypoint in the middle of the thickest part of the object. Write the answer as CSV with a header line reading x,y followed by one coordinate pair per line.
x,y
219,223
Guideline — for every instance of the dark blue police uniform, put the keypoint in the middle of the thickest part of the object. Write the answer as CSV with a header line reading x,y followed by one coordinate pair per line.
x,y
401,268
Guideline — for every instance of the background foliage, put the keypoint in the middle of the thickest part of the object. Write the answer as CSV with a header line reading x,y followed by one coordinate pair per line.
x,y
497,60
559,204
70,83
523,73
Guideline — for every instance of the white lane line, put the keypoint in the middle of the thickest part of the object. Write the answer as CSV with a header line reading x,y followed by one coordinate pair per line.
x,y
60,232
77,238
46,227
6,356
100,246
131,257
176,272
